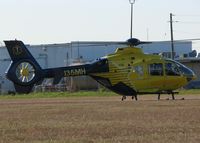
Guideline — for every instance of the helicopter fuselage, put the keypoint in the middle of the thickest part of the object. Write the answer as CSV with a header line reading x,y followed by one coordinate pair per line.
x,y
128,71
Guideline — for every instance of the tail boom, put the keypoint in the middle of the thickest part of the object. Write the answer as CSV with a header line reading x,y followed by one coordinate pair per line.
x,y
25,72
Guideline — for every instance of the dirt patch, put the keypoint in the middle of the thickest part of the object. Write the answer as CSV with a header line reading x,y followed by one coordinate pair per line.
x,y
101,119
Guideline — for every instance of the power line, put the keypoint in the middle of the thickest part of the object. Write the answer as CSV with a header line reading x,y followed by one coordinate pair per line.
x,y
189,15
185,32
189,22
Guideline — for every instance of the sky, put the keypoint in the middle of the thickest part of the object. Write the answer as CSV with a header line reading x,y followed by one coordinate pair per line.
x,y
63,21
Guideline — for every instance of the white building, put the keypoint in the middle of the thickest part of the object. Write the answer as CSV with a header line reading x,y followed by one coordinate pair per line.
x,y
57,55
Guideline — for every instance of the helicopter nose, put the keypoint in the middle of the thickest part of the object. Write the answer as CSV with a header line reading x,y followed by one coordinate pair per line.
x,y
194,77
191,77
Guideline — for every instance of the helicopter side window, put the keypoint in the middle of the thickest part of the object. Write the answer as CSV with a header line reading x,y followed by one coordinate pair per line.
x,y
139,70
156,69
172,69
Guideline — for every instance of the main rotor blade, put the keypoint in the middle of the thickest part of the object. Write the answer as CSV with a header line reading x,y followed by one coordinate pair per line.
x,y
179,40
108,43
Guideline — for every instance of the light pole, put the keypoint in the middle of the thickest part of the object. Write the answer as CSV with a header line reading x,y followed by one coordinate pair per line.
x,y
172,36
131,3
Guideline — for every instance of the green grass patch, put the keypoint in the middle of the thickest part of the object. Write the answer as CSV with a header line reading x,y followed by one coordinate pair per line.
x,y
98,93
59,94
189,91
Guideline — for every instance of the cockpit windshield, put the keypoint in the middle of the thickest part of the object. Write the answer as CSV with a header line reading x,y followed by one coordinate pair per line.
x,y
176,68
172,69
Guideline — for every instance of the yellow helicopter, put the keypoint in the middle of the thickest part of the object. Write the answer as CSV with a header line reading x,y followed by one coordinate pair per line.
x,y
128,71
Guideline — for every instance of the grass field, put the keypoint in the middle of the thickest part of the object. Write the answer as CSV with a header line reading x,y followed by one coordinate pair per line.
x,y
99,119
99,93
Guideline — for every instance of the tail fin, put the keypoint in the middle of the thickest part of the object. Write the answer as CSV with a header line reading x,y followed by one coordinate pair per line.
x,y
24,71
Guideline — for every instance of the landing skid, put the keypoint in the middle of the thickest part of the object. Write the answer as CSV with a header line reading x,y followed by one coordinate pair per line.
x,y
159,93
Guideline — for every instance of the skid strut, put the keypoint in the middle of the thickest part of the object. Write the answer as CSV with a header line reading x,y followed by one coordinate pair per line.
x,y
132,97
172,93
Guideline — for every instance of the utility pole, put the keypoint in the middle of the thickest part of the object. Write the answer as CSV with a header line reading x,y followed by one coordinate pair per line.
x,y
172,36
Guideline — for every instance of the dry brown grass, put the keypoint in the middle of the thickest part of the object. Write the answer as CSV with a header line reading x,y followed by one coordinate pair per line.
x,y
100,120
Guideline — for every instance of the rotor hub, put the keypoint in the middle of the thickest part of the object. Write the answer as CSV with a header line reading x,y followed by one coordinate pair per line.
x,y
133,41
25,72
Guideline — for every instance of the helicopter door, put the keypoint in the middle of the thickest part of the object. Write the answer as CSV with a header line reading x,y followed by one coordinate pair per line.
x,y
155,77
172,76
137,77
